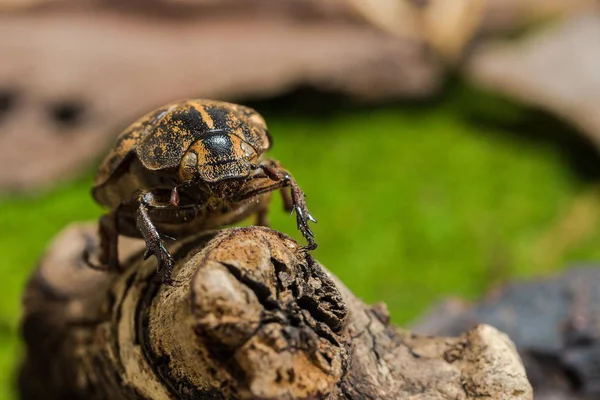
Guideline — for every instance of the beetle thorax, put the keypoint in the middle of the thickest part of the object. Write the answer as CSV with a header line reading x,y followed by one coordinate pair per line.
x,y
216,157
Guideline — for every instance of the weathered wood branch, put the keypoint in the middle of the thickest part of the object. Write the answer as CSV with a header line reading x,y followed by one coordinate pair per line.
x,y
253,316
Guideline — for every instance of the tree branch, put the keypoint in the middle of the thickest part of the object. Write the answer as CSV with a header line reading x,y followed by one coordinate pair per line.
x,y
252,317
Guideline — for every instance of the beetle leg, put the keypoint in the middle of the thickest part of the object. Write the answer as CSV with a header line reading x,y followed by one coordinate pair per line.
x,y
109,239
108,232
281,179
288,202
296,202
271,173
302,214
154,243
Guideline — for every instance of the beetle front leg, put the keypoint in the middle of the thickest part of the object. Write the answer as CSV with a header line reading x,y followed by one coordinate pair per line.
x,y
297,202
280,178
154,244
302,213
108,231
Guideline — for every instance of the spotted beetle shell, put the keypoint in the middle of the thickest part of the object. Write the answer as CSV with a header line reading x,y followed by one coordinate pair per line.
x,y
161,137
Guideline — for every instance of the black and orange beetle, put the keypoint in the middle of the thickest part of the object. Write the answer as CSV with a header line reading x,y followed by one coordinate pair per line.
x,y
189,166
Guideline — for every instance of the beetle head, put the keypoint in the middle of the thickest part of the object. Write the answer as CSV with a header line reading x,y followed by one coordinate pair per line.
x,y
216,157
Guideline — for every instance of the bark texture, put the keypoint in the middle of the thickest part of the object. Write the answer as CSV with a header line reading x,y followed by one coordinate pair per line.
x,y
251,317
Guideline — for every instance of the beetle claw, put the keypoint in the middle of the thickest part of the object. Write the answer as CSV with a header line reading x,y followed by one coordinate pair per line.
x,y
306,232
310,246
302,218
167,237
165,261
163,257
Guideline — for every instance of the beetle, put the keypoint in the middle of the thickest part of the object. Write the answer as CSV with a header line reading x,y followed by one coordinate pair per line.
x,y
189,166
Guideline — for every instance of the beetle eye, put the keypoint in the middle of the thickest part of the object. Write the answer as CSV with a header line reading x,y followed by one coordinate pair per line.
x,y
247,149
188,167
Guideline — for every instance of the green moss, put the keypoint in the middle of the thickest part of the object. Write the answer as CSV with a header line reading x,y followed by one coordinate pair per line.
x,y
416,206
413,205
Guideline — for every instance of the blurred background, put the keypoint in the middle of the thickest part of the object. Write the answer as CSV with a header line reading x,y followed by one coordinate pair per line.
x,y
446,147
